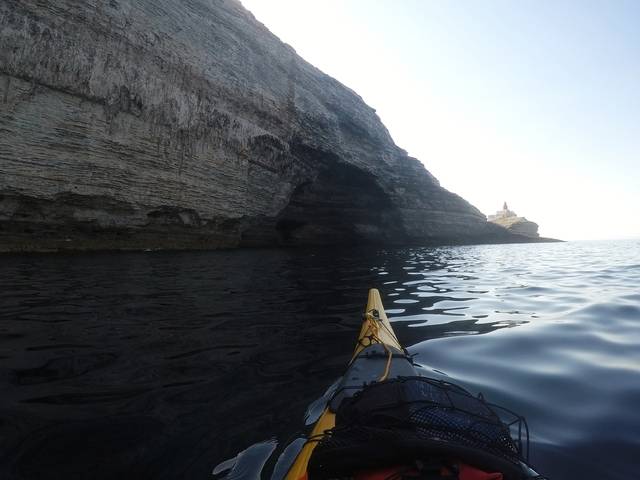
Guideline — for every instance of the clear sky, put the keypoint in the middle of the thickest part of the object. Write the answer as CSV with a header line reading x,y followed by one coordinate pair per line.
x,y
536,102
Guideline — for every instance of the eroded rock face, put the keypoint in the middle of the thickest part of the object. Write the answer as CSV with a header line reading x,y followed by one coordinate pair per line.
x,y
155,123
518,225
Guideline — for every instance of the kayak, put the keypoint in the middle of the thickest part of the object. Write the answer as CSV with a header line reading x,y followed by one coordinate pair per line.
x,y
385,420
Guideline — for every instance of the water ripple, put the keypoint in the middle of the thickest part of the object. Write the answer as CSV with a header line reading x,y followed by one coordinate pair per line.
x,y
173,362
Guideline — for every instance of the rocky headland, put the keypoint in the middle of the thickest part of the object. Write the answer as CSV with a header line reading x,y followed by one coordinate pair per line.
x,y
515,224
161,124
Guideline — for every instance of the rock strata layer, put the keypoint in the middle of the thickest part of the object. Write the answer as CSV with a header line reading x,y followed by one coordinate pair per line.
x,y
163,124
519,225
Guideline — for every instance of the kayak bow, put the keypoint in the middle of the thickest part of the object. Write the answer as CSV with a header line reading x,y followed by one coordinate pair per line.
x,y
376,329
385,420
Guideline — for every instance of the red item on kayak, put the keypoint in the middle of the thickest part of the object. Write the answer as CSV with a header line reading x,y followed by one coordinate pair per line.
x,y
465,472
385,473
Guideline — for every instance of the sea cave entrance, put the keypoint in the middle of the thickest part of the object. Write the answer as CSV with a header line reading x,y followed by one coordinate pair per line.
x,y
342,205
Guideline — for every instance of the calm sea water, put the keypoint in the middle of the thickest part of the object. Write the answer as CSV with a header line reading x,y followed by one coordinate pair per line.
x,y
164,365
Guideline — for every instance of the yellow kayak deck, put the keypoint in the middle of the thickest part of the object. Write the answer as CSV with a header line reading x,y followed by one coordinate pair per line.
x,y
376,366
376,328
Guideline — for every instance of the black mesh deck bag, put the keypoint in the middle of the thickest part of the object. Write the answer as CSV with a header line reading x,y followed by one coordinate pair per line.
x,y
415,418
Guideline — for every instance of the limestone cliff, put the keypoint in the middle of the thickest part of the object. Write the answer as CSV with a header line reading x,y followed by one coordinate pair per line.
x,y
515,224
519,225
156,123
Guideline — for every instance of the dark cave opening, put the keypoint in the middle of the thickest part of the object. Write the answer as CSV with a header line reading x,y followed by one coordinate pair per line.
x,y
342,205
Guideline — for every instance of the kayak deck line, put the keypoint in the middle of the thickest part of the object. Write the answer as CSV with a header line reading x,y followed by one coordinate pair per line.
x,y
377,329
375,326
371,371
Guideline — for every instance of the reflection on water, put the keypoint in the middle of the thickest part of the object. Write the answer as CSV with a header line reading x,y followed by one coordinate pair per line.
x,y
164,365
